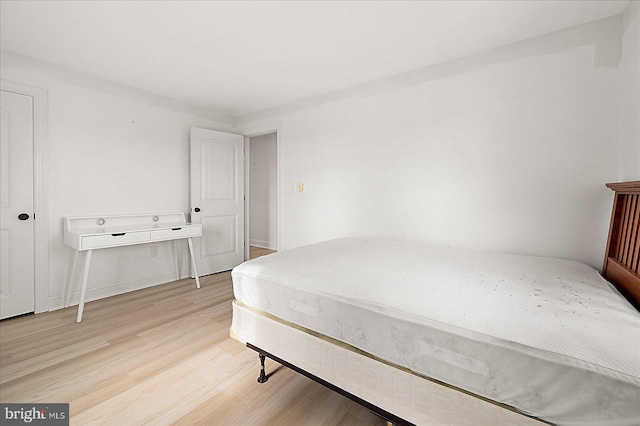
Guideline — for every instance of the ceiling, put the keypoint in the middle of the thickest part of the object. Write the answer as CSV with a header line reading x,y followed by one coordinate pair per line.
x,y
241,57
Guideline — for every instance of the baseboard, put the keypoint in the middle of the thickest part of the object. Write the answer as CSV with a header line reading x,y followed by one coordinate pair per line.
x,y
262,244
114,289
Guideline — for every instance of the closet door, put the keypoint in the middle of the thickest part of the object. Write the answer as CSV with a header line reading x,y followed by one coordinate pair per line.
x,y
217,199
17,285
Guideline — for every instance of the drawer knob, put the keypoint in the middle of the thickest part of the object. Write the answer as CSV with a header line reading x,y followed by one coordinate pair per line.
x,y
23,216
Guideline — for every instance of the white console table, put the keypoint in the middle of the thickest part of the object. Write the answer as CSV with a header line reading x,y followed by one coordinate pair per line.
x,y
98,232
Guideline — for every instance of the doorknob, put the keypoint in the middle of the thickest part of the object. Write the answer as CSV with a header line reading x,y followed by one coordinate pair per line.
x,y
197,209
23,216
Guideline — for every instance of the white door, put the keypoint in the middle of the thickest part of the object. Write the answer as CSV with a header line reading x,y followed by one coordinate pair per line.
x,y
217,199
16,205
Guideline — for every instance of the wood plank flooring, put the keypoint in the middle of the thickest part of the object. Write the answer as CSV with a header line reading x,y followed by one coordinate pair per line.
x,y
160,356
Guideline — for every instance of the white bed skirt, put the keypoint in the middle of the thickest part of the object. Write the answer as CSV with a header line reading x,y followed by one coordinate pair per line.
x,y
411,397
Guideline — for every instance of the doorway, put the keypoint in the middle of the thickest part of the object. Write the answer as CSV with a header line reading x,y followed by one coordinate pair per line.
x,y
218,199
262,191
17,284
36,178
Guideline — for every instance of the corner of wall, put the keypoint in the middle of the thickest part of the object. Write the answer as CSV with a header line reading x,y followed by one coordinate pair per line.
x,y
630,14
629,94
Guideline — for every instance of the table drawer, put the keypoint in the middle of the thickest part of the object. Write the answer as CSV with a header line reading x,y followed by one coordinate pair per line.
x,y
113,240
178,232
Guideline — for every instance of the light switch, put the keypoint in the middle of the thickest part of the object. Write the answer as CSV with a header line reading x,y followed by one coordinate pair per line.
x,y
300,187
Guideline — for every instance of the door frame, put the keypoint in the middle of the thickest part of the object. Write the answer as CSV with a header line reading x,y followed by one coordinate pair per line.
x,y
248,133
40,98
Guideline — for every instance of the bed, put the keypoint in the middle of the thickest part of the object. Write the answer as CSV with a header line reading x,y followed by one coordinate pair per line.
x,y
431,335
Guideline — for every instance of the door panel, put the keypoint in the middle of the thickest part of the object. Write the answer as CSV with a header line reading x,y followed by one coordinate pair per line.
x,y
17,289
225,229
217,199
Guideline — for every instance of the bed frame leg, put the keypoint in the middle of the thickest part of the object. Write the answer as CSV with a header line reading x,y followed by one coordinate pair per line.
x,y
263,376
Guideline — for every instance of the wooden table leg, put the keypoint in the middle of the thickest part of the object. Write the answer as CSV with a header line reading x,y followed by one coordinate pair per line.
x,y
193,262
72,280
83,291
175,257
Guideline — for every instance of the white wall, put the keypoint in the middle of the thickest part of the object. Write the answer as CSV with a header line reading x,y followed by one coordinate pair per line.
x,y
262,223
630,95
111,150
504,150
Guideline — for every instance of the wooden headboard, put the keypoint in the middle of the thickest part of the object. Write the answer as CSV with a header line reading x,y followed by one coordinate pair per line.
x,y
622,255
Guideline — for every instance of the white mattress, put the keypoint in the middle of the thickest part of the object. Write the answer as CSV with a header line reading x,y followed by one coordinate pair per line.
x,y
546,336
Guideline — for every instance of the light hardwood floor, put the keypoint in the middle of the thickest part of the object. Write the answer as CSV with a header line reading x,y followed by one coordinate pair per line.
x,y
160,356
